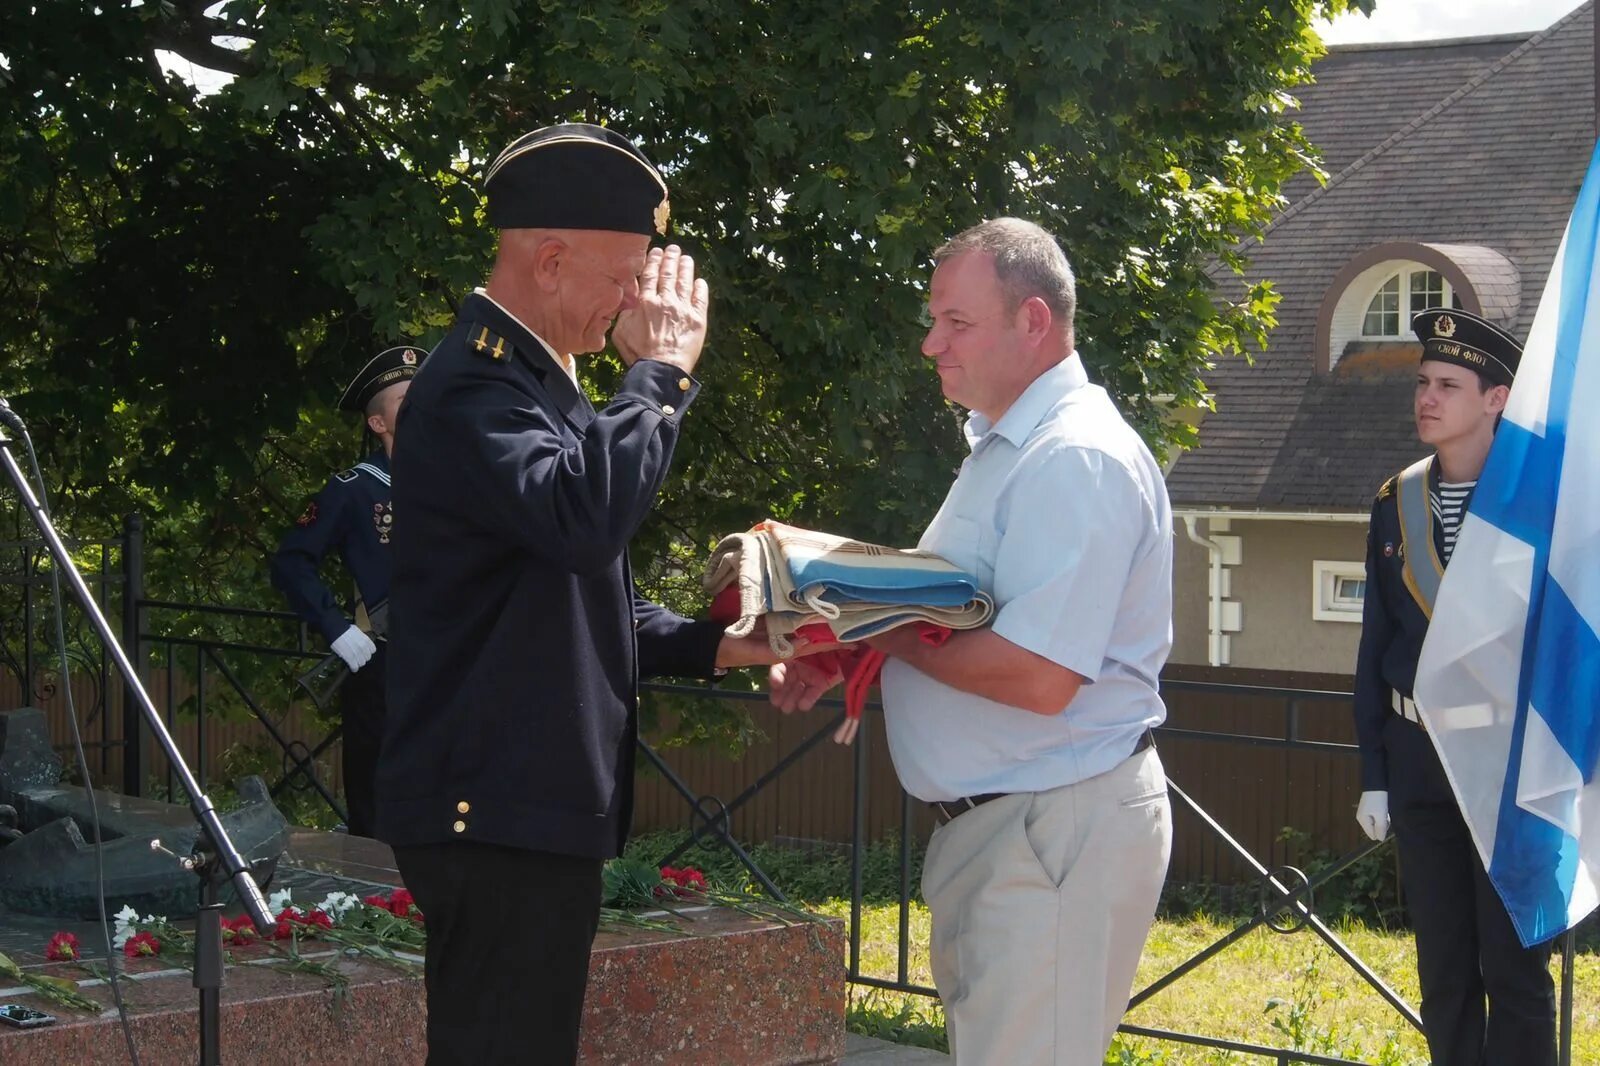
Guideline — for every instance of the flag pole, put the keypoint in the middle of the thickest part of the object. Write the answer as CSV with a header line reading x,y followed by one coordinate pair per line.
x,y
1567,950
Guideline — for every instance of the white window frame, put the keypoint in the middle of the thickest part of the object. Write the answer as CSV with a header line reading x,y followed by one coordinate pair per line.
x,y
1326,606
1404,274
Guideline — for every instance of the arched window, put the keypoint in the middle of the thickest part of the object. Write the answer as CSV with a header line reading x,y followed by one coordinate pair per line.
x,y
1402,296
1370,302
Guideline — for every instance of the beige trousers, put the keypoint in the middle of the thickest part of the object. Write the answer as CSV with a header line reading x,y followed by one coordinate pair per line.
x,y
1041,903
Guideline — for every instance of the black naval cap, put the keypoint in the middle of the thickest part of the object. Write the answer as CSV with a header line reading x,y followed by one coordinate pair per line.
x,y
389,367
1461,337
576,176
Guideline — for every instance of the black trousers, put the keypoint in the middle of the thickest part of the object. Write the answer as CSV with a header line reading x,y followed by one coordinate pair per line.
x,y
509,933
362,708
1467,949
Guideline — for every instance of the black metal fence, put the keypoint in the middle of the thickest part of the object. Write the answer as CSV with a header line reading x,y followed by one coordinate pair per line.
x,y
1287,896
28,651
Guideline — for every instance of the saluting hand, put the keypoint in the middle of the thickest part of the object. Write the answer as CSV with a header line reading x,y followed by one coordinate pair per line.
x,y
669,324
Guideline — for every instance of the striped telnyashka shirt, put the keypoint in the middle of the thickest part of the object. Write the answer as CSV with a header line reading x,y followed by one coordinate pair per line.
x,y
1449,507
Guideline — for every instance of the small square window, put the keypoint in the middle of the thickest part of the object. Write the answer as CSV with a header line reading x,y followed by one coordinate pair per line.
x,y
1338,590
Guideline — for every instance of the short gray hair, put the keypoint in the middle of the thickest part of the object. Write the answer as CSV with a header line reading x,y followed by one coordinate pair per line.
x,y
1027,262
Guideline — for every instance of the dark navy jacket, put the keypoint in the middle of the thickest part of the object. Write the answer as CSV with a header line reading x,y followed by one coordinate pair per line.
x,y
516,641
351,515
1392,627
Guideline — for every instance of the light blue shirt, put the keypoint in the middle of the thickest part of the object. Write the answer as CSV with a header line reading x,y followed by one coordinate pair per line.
x,y
1061,513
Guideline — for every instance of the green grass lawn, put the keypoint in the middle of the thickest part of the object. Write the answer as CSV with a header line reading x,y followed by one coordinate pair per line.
x,y
1271,989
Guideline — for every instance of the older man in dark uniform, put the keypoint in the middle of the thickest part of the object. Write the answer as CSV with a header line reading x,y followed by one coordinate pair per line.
x,y
516,637
352,516
1467,950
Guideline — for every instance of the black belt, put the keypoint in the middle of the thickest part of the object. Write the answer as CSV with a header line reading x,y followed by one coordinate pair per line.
x,y
948,809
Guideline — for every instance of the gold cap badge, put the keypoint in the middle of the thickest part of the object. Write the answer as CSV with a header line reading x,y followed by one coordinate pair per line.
x,y
662,211
1444,327
409,357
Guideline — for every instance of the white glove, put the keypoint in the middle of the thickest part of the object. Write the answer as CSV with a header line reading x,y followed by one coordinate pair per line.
x,y
354,647
1372,814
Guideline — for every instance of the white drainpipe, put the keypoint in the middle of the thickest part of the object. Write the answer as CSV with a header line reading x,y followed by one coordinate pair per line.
x,y
1214,550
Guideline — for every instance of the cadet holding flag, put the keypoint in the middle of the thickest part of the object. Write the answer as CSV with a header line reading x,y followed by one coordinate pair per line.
x,y
1467,948
353,517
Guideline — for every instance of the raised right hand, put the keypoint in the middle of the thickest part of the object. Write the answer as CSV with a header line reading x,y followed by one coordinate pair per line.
x,y
669,324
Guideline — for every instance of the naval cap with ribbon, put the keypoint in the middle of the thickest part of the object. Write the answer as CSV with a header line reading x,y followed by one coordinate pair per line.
x,y
1449,335
576,176
389,367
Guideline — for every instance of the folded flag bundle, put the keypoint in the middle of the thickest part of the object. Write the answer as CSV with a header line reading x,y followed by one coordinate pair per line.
x,y
826,589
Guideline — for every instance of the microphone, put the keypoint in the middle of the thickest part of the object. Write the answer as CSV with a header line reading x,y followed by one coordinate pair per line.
x,y
10,419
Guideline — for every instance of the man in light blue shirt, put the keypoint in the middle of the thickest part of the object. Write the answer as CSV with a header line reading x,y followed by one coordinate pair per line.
x,y
1032,737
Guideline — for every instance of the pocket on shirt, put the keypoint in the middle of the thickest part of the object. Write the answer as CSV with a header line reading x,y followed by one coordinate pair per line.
x,y
967,543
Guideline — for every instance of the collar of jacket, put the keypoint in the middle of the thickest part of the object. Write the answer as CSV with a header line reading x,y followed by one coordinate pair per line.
x,y
535,354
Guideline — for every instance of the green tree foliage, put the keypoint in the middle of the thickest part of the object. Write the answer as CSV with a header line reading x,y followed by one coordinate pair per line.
x,y
190,278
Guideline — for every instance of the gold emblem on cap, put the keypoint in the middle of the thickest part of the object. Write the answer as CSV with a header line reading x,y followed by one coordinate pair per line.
x,y
408,357
663,209
1445,326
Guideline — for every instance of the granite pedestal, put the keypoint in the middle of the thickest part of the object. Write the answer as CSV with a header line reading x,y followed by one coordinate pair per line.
x,y
728,990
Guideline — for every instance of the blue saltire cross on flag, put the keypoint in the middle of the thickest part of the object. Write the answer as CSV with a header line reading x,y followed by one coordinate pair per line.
x,y
1509,679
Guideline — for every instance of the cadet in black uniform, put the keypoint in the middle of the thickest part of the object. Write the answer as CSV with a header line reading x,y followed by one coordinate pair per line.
x,y
353,515
1467,950
516,638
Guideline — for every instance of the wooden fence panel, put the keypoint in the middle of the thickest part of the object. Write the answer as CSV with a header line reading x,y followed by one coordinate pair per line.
x,y
1254,792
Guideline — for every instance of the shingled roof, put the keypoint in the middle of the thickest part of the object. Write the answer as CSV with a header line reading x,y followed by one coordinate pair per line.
x,y
1365,92
1493,159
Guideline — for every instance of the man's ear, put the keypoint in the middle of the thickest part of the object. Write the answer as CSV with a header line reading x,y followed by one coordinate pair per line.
x,y
376,423
1035,318
545,260
1498,395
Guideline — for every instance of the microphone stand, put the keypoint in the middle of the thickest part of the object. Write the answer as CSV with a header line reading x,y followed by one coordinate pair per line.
x,y
214,856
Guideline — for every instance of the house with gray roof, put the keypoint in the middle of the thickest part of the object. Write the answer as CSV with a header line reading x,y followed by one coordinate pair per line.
x,y
1454,166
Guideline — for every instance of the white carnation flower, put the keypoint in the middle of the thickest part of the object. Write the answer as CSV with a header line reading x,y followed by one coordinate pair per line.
x,y
337,904
124,930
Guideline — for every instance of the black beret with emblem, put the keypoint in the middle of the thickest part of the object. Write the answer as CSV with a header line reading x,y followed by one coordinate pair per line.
x,y
389,367
1461,337
576,176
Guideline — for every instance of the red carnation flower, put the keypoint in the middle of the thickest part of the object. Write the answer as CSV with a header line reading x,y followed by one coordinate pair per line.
x,y
401,901
239,930
380,902
286,921
141,944
63,947
680,881
319,919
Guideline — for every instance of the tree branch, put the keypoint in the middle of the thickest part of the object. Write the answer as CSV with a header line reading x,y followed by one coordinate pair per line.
x,y
204,52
